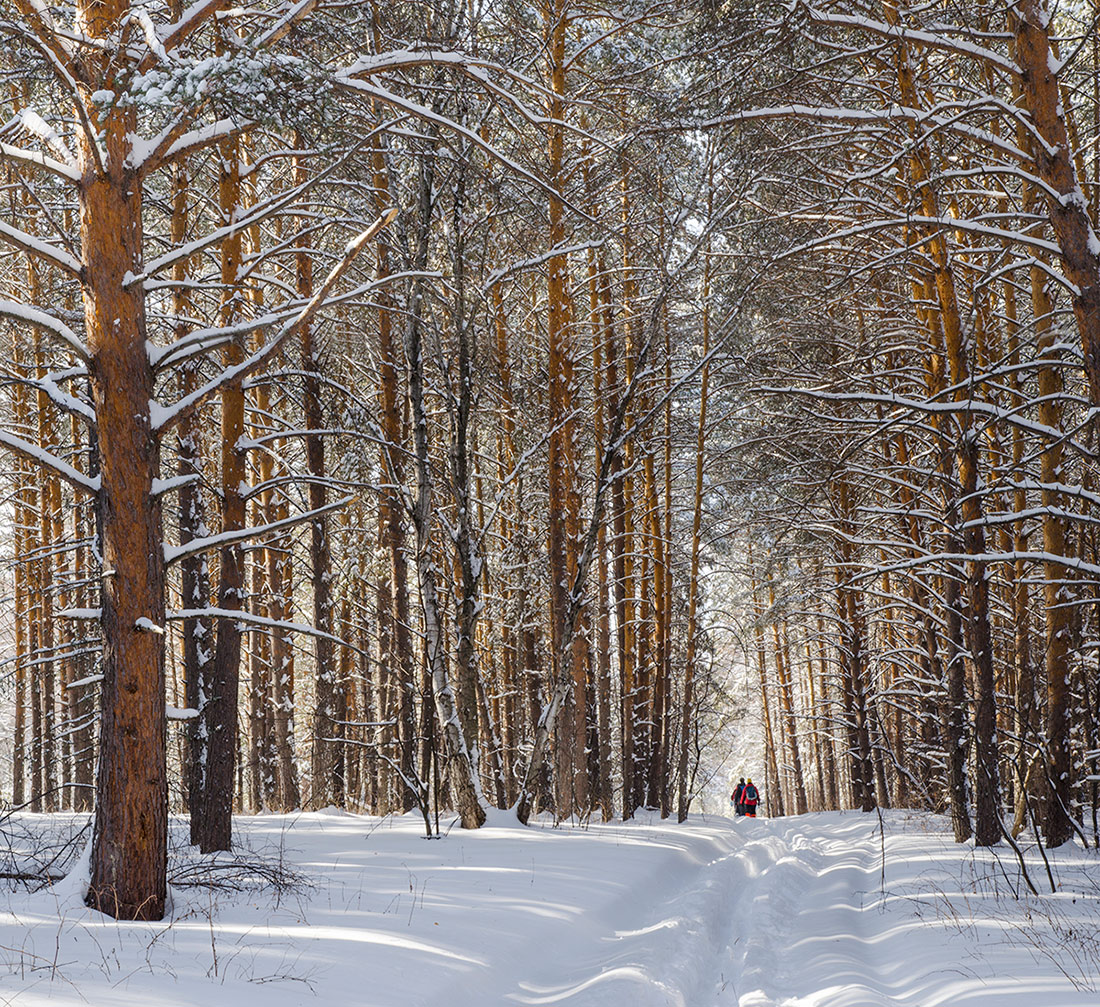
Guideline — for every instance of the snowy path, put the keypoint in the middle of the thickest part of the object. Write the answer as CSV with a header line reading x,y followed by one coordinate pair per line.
x,y
716,913
836,912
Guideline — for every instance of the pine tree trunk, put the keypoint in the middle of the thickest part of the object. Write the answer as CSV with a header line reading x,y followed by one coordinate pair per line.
x,y
784,677
391,514
955,735
48,497
1080,253
129,847
1058,615
215,813
665,586
1022,685
564,504
512,672
688,712
602,332
622,547
21,628
656,740
85,518
258,747
773,791
328,713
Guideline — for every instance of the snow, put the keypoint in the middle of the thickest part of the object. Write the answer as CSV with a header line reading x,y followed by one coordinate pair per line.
x,y
39,456
80,613
40,249
35,157
180,712
818,911
34,124
162,486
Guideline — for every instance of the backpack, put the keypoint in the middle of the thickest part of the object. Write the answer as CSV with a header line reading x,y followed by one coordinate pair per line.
x,y
750,796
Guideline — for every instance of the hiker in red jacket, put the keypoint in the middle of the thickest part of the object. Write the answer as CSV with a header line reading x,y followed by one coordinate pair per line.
x,y
749,799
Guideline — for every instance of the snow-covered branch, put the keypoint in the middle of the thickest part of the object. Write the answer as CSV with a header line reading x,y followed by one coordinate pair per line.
x,y
173,553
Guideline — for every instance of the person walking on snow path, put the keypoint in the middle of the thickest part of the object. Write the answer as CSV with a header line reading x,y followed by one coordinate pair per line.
x,y
749,799
736,798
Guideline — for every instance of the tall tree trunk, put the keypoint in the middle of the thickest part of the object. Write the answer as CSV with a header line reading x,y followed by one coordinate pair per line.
x,y
622,547
1058,615
824,716
23,508
784,678
462,776
129,845
564,505
853,661
772,785
197,635
49,498
513,678
988,829
391,515
602,332
665,587
687,713
87,532
215,812
328,712
656,735
954,733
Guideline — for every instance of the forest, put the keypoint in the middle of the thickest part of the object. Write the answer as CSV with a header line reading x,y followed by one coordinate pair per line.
x,y
436,406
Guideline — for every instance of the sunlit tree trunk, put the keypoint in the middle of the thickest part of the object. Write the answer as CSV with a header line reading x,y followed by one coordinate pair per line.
x,y
988,830
129,848
1080,253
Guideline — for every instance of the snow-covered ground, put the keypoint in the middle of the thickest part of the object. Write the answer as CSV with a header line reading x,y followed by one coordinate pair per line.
x,y
819,911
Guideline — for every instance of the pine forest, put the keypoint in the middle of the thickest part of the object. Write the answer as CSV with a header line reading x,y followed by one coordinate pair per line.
x,y
467,408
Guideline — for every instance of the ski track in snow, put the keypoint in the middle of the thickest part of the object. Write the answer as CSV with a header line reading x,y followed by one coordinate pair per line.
x,y
794,912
